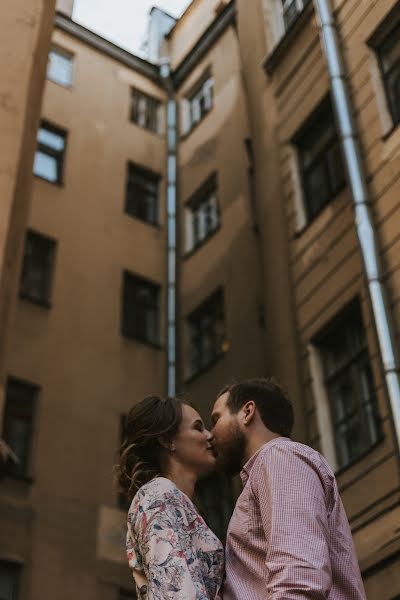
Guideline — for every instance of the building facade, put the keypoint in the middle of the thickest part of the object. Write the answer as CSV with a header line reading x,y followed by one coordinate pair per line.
x,y
268,276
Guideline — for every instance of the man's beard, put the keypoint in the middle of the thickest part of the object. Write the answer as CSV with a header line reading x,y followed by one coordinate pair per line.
x,y
231,453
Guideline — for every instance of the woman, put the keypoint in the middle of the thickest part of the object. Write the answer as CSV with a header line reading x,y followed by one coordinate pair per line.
x,y
171,551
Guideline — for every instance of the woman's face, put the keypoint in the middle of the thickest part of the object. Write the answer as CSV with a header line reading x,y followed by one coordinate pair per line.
x,y
193,443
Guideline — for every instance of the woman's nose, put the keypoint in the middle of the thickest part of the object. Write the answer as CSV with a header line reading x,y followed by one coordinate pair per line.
x,y
209,435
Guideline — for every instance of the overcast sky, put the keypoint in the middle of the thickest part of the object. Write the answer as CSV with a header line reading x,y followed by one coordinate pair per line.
x,y
124,22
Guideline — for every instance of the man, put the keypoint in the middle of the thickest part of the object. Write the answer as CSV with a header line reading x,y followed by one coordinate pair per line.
x,y
289,538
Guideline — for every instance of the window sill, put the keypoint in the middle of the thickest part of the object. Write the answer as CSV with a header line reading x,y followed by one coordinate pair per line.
x,y
388,134
56,183
43,303
158,134
29,479
185,136
359,458
155,226
190,253
133,338
309,222
273,59
204,369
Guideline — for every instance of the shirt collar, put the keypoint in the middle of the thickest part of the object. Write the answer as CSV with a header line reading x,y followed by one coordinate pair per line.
x,y
248,467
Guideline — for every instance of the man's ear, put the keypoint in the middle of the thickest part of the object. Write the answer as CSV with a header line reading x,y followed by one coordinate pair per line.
x,y
249,411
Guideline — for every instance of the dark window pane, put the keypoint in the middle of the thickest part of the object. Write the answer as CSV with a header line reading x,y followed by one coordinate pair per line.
x,y
207,332
37,268
140,310
142,194
350,386
9,576
389,54
145,111
321,161
203,211
18,421
49,156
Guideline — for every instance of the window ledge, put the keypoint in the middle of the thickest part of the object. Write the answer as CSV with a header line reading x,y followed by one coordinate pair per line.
x,y
42,303
187,134
390,131
156,226
274,57
204,369
309,222
56,183
197,247
29,479
132,338
360,457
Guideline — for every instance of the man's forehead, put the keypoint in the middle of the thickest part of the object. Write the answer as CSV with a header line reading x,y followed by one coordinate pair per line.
x,y
220,403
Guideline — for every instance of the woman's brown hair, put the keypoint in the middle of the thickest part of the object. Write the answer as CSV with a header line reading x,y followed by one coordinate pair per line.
x,y
149,427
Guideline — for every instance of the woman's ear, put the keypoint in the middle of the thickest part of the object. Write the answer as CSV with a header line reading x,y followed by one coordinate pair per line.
x,y
167,444
249,411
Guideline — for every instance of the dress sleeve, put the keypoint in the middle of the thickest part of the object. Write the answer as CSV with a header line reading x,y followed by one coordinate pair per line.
x,y
169,556
294,517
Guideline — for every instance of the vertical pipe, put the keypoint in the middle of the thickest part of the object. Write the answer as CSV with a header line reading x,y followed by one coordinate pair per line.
x,y
363,218
171,228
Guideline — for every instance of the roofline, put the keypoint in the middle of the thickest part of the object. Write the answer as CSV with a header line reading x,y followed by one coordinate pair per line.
x,y
96,41
225,18
178,21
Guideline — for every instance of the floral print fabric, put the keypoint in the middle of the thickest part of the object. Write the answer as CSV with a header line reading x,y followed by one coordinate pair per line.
x,y
170,544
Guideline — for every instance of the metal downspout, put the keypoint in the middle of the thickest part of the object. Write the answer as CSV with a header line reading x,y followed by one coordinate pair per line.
x,y
363,218
171,227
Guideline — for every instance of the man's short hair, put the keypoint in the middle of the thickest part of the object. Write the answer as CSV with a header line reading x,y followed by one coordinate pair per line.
x,y
271,400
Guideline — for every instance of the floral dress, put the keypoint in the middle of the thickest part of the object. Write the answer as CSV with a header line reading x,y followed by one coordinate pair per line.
x,y
170,547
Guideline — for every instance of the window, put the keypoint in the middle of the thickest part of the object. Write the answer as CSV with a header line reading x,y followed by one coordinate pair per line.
x,y
140,309
49,156
290,11
389,59
18,422
37,268
207,332
141,198
60,67
320,160
197,103
202,214
146,111
9,580
350,386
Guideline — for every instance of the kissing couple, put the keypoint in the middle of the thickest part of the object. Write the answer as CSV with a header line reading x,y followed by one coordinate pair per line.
x,y
288,538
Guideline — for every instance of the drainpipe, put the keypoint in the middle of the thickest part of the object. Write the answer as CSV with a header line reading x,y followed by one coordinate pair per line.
x,y
363,218
165,72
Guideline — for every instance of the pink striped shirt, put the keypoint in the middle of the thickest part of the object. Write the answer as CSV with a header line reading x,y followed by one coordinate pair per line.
x,y
289,538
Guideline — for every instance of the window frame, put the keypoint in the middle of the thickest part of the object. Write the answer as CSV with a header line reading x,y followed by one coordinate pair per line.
x,y
15,569
188,123
132,169
324,342
156,107
193,322
333,189
66,54
24,294
57,155
132,333
25,471
393,108
202,197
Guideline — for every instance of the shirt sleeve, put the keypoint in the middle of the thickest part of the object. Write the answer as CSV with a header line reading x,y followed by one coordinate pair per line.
x,y
168,557
291,497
